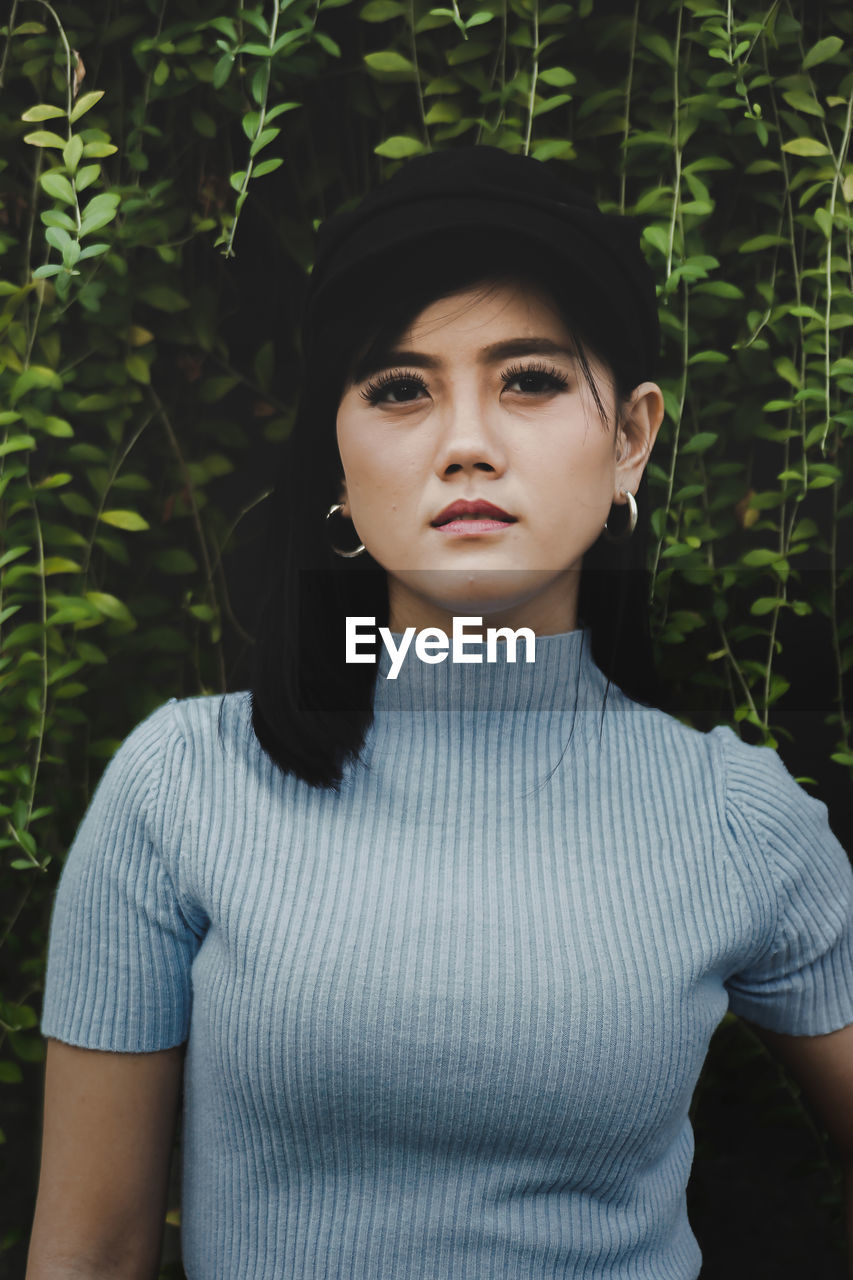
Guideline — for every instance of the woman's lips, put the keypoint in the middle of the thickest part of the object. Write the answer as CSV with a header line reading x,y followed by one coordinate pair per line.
x,y
469,527
471,517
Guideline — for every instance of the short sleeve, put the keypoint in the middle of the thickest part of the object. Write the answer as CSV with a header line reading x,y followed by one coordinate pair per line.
x,y
798,979
121,946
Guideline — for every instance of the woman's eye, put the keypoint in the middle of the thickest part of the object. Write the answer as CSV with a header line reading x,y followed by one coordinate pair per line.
x,y
534,381
393,390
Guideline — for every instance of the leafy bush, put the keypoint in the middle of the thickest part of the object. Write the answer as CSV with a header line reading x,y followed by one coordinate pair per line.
x,y
145,145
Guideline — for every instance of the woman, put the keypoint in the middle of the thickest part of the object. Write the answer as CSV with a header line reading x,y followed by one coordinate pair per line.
x,y
444,940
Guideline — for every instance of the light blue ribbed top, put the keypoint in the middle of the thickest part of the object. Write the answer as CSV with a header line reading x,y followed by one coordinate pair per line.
x,y
446,1024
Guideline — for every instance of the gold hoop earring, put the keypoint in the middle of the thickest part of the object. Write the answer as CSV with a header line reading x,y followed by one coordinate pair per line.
x,y
632,520
347,555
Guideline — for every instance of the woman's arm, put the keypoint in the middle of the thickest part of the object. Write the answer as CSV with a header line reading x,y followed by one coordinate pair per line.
x,y
109,1123
823,1066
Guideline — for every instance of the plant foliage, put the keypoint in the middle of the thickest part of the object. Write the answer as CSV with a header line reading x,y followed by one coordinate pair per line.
x,y
146,144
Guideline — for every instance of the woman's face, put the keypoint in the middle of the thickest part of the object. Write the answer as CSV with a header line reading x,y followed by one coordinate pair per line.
x,y
482,401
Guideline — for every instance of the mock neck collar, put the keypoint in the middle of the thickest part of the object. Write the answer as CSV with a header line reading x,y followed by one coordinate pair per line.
x,y
563,677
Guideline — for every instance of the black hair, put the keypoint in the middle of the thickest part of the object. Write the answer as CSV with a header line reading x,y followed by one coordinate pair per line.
x,y
310,709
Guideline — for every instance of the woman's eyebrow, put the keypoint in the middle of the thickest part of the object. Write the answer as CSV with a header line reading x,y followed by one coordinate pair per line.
x,y
507,350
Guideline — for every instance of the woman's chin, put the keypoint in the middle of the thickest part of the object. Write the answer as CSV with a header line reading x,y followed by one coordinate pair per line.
x,y
473,592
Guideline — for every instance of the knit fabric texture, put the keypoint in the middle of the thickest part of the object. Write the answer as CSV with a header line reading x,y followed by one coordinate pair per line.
x,y
446,1023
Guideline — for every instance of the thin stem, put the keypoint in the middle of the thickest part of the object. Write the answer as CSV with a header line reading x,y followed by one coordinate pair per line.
x,y
733,666
418,85
42,721
833,619
676,109
839,162
682,399
202,541
12,14
120,461
534,77
262,113
629,85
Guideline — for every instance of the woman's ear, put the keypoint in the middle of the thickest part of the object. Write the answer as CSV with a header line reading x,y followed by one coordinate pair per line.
x,y
342,498
636,434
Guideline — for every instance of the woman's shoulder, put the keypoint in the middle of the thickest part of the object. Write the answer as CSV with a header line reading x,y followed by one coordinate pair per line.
x,y
167,744
748,784
719,748
204,714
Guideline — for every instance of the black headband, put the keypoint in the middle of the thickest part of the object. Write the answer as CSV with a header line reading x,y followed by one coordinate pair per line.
x,y
597,256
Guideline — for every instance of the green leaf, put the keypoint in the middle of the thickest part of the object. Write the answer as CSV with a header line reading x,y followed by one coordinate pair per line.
x,y
760,242
56,218
10,1072
60,564
381,11
98,150
72,152
36,376
765,604
222,70
267,166
472,51
719,289
100,210
398,146
57,427
443,84
557,77
442,112
327,43
131,521
786,369
176,560
761,557
93,251
544,105
203,123
14,553
110,606
262,140
805,102
44,111
700,442
822,51
660,46
17,444
86,176
278,110
85,104
553,149
806,147
59,238
43,138
709,357
163,298
658,238
138,368
389,62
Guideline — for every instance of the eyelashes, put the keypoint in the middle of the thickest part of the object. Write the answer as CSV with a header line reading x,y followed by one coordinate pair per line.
x,y
541,379
375,389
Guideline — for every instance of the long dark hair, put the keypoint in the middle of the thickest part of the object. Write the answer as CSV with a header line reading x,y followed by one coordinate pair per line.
x,y
310,709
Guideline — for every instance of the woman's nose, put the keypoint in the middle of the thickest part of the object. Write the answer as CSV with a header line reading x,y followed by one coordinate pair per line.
x,y
470,440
